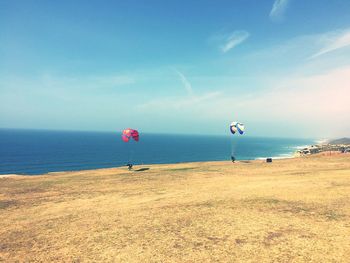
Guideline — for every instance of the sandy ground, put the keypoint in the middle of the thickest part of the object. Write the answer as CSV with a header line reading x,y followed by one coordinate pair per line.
x,y
293,210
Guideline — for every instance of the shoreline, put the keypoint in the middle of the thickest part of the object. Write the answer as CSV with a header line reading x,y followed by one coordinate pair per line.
x,y
300,151
290,156
142,165
92,151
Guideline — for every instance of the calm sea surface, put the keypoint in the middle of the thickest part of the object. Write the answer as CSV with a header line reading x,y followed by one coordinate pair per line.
x,y
36,152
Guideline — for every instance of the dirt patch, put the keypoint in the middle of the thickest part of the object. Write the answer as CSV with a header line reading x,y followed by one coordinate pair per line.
x,y
4,204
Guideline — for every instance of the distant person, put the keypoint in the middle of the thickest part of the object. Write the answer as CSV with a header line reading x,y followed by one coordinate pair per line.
x,y
233,159
129,165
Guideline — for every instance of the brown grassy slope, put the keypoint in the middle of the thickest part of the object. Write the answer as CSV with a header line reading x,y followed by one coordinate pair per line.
x,y
295,210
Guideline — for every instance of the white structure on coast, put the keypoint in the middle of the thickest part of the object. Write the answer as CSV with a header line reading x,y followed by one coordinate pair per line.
x,y
339,145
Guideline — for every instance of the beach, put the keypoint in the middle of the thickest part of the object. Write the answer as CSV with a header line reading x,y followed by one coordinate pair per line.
x,y
290,210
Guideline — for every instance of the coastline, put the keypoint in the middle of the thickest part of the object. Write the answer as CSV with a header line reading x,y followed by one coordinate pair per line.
x,y
259,159
140,166
300,151
80,151
325,146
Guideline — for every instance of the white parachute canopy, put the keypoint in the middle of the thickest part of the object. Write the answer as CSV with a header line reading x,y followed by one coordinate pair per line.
x,y
237,126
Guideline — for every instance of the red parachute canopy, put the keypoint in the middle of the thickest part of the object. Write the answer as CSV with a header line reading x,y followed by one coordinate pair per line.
x,y
130,133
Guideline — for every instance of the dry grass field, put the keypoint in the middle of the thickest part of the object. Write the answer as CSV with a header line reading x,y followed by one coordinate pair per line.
x,y
293,210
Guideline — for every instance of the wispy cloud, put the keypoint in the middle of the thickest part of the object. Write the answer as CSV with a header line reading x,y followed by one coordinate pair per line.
x,y
185,82
298,54
233,39
278,10
306,101
334,41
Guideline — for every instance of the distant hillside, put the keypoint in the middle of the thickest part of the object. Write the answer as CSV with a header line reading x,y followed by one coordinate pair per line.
x,y
340,141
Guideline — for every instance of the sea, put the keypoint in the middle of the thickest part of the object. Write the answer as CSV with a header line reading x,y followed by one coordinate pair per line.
x,y
32,152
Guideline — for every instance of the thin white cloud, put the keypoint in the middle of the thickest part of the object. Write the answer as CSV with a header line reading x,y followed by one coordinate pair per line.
x,y
185,82
334,42
278,10
309,103
298,54
234,39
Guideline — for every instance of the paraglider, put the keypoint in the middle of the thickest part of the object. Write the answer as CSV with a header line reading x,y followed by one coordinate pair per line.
x,y
234,128
127,135
237,126
130,133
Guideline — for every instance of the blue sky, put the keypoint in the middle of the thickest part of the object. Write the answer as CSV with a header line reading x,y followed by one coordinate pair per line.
x,y
280,66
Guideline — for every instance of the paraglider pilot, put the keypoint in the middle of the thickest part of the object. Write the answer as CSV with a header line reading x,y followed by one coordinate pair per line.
x,y
233,159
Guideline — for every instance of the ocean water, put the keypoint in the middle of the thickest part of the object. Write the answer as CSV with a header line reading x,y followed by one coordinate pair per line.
x,y
35,152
